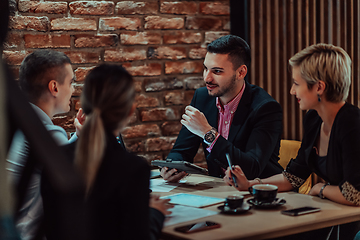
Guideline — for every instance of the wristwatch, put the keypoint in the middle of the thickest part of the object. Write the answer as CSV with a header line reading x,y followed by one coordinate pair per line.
x,y
321,195
210,136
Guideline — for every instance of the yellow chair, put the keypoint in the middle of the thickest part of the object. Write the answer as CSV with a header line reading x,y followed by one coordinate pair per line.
x,y
288,150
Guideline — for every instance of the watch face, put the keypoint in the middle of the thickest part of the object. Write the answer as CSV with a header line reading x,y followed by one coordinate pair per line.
x,y
209,137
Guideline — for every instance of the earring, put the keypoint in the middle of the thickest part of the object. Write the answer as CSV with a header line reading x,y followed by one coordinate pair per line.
x,y
319,98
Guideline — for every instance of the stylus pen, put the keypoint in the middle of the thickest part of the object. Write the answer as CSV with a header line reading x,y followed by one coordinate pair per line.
x,y
230,165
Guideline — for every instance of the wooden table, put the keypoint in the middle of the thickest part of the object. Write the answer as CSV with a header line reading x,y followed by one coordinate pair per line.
x,y
259,223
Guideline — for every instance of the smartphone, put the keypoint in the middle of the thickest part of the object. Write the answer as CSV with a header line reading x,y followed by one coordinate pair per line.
x,y
300,211
196,227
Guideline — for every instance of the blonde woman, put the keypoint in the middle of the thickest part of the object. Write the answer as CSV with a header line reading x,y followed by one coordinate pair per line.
x,y
331,142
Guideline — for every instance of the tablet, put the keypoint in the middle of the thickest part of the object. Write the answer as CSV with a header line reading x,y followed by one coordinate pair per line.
x,y
180,166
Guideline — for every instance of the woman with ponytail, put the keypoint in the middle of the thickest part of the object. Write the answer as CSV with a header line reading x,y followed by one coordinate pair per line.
x,y
116,201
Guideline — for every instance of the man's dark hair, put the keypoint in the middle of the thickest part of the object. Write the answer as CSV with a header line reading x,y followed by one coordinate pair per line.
x,y
236,47
38,69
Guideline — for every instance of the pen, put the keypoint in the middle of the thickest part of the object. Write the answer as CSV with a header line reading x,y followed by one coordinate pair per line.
x,y
230,165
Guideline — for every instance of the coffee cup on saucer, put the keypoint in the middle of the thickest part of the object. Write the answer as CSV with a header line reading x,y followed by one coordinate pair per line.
x,y
263,193
233,202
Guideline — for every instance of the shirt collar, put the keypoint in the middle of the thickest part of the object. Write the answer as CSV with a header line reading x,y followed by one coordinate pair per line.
x,y
42,115
233,104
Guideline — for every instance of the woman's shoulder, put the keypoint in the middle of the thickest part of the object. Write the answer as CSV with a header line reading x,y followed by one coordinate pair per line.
x,y
348,114
349,109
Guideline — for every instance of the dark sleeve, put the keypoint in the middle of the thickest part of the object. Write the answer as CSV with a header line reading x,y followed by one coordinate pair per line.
x,y
297,170
263,138
135,209
156,223
187,143
349,130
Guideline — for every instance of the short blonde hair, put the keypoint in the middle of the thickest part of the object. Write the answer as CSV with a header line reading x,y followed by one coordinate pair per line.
x,y
328,63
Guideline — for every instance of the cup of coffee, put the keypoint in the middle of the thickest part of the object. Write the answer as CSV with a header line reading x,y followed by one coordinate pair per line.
x,y
263,193
233,202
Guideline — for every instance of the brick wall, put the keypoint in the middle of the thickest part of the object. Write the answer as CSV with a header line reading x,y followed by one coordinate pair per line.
x,y
162,43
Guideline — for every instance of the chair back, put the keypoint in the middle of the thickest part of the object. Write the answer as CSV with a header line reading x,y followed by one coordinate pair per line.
x,y
289,150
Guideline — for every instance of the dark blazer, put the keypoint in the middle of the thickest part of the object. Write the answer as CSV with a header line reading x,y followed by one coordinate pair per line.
x,y
342,160
118,204
254,137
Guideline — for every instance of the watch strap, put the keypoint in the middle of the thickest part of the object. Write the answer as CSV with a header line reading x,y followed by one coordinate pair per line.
x,y
321,194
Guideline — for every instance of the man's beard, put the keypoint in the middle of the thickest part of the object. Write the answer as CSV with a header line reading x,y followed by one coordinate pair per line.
x,y
225,89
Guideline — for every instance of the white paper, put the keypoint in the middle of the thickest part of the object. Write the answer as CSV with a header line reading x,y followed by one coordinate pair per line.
x,y
184,213
193,200
160,185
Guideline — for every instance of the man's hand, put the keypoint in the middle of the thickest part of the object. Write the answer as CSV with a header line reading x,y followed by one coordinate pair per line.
x,y
79,121
242,182
195,121
172,175
160,204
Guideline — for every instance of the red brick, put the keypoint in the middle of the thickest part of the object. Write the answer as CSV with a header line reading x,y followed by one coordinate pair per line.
x,y
171,128
203,23
138,86
132,7
173,53
197,53
83,57
182,37
144,130
151,69
215,8
42,7
81,72
133,118
156,22
29,23
178,7
226,24
159,114
134,146
77,88
159,144
183,67
47,41
14,57
77,104
143,38
77,24
13,40
94,41
124,55
146,101
193,83
64,121
211,36
155,85
188,96
119,23
174,98
92,7
150,157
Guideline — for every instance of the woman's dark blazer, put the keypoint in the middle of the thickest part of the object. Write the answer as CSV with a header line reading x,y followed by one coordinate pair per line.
x,y
343,156
118,204
254,137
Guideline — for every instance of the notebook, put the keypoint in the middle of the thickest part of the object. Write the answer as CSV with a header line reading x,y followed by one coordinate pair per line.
x,y
193,200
